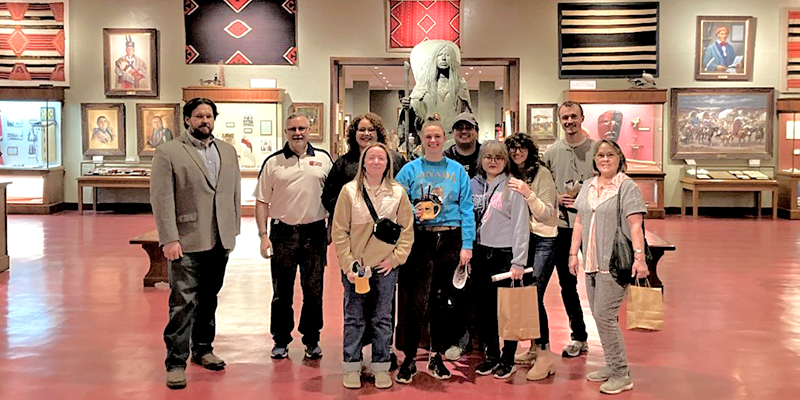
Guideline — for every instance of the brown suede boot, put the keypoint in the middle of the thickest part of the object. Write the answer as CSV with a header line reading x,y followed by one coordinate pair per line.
x,y
544,366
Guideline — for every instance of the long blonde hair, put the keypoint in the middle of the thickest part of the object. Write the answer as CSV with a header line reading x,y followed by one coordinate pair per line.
x,y
387,174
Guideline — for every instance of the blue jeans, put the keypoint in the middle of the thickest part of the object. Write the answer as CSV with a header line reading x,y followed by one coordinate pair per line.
x,y
195,279
303,246
541,256
358,313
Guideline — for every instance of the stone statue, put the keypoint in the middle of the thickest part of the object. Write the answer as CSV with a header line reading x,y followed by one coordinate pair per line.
x,y
439,88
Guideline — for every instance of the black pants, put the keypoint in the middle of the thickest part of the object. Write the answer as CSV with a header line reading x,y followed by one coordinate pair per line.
x,y
195,279
293,246
569,285
488,261
426,287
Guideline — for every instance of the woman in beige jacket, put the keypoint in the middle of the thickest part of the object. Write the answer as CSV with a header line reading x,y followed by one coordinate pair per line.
x,y
358,247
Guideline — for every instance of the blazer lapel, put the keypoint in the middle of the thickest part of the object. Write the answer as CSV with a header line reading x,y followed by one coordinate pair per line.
x,y
189,147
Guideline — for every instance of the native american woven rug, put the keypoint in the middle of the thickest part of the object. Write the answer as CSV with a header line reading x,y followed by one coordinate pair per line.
x,y
33,43
791,50
412,22
607,40
252,32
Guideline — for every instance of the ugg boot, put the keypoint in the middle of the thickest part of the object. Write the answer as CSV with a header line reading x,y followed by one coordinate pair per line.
x,y
544,366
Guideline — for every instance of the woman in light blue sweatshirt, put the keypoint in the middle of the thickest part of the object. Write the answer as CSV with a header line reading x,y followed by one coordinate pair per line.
x,y
503,223
444,230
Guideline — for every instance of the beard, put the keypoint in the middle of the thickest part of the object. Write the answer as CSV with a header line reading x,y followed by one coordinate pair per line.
x,y
201,133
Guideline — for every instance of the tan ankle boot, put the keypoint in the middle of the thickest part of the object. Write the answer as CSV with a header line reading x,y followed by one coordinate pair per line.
x,y
544,366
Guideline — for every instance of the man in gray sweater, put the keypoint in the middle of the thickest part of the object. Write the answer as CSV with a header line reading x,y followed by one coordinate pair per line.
x,y
570,161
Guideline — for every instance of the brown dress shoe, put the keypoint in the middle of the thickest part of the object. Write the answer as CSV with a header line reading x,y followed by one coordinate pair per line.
x,y
176,378
209,361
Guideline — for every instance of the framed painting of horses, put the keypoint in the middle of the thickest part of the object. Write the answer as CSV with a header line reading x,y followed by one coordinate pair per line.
x,y
721,123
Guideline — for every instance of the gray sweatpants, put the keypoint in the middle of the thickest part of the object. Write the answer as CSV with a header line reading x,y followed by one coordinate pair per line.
x,y
605,297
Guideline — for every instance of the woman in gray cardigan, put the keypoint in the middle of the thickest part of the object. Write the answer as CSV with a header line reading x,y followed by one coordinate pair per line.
x,y
595,227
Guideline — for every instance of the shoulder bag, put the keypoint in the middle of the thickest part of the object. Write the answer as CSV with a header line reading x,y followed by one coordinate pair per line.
x,y
621,262
385,229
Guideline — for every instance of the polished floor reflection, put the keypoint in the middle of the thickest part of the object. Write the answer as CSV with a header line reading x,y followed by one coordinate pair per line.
x,y
75,322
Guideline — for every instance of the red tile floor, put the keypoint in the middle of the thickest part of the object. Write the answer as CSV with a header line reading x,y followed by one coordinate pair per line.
x,y
75,322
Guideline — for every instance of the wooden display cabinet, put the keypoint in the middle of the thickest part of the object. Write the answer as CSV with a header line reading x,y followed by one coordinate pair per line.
x,y
788,173
634,118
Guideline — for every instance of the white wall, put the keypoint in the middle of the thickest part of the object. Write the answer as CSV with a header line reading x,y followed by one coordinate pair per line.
x,y
355,28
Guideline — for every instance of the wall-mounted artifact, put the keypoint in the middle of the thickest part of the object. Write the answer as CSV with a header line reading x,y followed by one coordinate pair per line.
x,y
607,40
721,123
36,43
790,50
724,48
130,62
156,124
248,32
103,129
411,22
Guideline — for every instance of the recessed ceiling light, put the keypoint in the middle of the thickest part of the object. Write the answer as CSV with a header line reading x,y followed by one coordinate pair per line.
x,y
480,72
467,73
376,67
380,73
471,67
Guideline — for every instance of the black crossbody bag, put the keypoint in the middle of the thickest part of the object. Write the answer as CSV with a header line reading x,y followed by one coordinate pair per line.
x,y
385,229
621,262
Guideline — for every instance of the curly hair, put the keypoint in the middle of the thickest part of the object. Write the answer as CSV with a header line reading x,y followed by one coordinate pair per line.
x,y
352,130
532,163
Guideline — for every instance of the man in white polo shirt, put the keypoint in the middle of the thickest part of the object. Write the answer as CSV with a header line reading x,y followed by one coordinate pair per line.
x,y
289,192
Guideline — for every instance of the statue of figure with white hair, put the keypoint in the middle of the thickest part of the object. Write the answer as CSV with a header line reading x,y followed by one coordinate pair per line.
x,y
439,88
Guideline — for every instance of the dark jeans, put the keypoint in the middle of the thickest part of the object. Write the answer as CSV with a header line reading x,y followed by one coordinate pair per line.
x,y
294,245
488,261
541,253
569,285
372,309
426,287
195,279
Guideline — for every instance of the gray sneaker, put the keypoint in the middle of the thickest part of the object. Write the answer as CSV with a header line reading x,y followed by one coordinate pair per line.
x,y
279,352
616,385
601,375
575,348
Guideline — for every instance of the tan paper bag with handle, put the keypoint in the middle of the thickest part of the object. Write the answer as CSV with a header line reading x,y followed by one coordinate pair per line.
x,y
518,313
645,307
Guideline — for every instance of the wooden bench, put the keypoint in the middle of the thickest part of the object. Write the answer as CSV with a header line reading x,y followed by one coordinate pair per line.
x,y
159,266
657,248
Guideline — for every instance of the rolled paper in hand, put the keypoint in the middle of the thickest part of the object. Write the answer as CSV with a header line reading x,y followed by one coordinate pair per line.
x,y
507,275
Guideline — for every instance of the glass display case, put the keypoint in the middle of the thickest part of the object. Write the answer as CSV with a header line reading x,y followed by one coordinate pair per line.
x,y
788,174
729,172
728,178
30,147
634,119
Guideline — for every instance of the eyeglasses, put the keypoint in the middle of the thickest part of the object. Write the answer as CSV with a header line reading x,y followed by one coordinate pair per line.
x,y
513,149
497,159
600,156
463,127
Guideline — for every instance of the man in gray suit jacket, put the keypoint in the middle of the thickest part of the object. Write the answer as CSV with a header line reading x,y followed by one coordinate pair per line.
x,y
195,191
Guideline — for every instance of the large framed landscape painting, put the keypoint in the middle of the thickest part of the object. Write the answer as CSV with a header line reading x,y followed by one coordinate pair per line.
x,y
721,123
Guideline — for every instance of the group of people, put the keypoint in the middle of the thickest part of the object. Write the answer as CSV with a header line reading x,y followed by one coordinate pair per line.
x,y
402,232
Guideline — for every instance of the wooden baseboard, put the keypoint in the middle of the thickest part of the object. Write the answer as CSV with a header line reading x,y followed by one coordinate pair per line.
x,y
722,212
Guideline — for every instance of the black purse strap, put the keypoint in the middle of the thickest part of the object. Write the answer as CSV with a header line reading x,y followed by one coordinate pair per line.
x,y
621,218
369,202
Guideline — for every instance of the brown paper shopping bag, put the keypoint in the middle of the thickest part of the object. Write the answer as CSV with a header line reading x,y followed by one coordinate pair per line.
x,y
518,313
645,307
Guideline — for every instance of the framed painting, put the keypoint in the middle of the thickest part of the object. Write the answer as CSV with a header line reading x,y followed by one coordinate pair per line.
x,y
722,123
607,40
314,113
411,22
130,62
35,43
724,48
266,128
542,122
156,124
790,50
103,129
